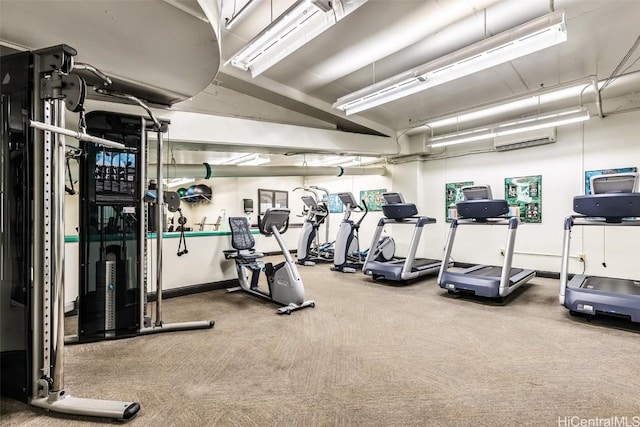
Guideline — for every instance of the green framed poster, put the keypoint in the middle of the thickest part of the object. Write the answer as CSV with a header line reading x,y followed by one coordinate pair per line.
x,y
453,194
524,196
335,204
373,199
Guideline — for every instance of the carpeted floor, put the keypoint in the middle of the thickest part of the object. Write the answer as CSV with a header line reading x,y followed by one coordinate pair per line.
x,y
367,355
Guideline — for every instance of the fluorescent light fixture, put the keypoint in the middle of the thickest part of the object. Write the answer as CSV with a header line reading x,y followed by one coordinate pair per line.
x,y
461,137
180,181
520,41
541,121
530,102
302,22
255,161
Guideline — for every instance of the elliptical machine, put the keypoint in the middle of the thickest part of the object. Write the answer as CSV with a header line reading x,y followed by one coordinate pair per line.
x,y
283,279
347,257
308,254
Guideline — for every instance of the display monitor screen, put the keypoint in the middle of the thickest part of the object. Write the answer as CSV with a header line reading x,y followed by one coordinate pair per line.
x,y
115,176
391,198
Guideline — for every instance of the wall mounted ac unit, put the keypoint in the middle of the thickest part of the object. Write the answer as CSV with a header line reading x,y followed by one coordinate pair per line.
x,y
525,139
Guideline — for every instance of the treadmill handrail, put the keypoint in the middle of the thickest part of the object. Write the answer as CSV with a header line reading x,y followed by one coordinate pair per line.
x,y
512,222
584,221
412,220
498,220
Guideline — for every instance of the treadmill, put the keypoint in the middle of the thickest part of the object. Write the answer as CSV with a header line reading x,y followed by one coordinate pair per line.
x,y
396,211
614,201
479,208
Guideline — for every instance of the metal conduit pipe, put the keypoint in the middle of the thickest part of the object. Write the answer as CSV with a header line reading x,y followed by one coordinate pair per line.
x,y
206,171
596,90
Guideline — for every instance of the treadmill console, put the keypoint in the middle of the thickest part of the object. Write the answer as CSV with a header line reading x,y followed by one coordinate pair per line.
x,y
614,183
479,204
391,198
477,192
612,197
396,208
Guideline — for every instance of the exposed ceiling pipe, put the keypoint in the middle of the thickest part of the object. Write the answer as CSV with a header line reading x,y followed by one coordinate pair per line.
x,y
230,22
622,85
596,90
206,171
186,10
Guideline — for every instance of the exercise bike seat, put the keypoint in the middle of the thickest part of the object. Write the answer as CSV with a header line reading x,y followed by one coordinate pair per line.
x,y
242,241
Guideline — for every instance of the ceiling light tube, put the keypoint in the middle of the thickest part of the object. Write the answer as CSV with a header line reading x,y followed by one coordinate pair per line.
x,y
359,162
331,161
240,159
180,181
303,21
533,36
542,121
522,103
461,137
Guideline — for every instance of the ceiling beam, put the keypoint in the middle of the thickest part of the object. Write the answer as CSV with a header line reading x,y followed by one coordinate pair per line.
x,y
287,97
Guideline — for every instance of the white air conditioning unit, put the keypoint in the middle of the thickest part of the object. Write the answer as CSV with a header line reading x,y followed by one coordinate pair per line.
x,y
525,139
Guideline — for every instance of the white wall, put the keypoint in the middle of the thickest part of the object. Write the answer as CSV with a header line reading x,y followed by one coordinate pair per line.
x,y
353,184
598,144
227,201
205,261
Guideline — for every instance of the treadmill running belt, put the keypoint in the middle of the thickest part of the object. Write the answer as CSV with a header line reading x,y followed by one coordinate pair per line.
x,y
492,271
423,262
609,284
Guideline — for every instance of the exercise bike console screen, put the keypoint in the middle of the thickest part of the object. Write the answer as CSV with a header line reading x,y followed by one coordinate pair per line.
x,y
347,199
309,202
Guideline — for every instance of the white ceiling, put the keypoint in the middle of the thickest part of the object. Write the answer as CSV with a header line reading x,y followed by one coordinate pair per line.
x,y
385,37
378,40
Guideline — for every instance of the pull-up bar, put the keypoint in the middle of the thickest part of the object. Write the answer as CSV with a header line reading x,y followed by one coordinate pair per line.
x,y
75,134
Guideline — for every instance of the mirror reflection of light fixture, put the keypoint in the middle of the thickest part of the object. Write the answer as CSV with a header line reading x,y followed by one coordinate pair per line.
x,y
359,161
299,24
178,182
520,41
239,159
331,161
541,121
255,160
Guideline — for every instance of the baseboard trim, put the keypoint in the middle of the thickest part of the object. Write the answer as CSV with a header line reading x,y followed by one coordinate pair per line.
x,y
194,289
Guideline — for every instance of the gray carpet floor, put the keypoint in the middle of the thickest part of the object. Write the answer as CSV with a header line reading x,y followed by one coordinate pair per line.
x,y
368,354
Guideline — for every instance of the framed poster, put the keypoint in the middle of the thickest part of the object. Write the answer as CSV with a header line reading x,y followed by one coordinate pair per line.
x,y
452,195
272,199
589,174
524,196
335,204
373,199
